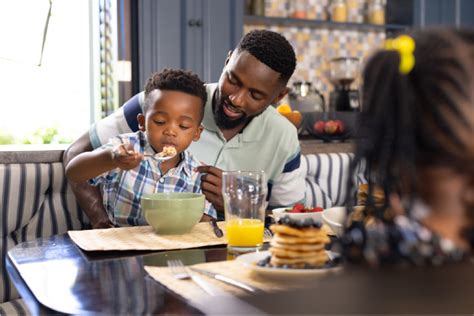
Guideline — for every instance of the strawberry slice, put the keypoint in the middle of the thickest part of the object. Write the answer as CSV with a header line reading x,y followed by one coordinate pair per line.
x,y
315,209
298,208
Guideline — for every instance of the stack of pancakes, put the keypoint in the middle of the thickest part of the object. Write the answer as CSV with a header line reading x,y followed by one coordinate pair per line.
x,y
298,244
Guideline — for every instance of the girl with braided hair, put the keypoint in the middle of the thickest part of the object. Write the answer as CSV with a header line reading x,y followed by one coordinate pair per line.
x,y
417,139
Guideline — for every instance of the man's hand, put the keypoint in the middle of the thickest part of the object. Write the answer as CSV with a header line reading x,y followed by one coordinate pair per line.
x,y
125,157
211,184
90,201
88,197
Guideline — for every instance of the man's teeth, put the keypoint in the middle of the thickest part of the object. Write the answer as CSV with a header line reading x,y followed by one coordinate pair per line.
x,y
231,108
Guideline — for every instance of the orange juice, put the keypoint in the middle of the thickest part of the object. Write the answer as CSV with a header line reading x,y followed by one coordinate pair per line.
x,y
244,232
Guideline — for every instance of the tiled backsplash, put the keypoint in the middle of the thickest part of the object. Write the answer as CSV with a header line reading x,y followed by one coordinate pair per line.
x,y
316,46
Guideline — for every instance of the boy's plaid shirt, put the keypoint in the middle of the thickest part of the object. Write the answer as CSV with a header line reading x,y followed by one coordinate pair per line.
x,y
122,189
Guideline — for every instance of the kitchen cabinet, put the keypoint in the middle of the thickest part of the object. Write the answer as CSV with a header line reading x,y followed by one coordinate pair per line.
x,y
425,13
188,34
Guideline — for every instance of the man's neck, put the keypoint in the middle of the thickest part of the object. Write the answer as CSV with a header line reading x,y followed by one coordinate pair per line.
x,y
229,133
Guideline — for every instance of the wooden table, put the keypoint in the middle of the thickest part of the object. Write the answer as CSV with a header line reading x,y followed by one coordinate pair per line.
x,y
54,276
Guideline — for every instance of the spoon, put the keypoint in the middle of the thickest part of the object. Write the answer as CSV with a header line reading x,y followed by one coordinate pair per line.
x,y
164,155
158,157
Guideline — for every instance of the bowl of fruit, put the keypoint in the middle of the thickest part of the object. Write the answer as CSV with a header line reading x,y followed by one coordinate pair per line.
x,y
329,130
294,117
299,211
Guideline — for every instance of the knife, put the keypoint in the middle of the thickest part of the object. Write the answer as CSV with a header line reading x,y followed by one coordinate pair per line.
x,y
216,228
227,280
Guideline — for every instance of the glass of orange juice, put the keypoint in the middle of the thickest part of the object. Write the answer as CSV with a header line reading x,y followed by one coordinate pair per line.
x,y
244,195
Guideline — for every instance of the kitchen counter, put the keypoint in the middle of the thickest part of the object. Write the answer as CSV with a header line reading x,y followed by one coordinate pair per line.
x,y
315,146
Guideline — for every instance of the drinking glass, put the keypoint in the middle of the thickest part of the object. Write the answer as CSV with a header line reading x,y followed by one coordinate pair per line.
x,y
244,195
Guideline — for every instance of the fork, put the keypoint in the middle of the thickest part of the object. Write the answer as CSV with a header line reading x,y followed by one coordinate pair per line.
x,y
182,272
267,233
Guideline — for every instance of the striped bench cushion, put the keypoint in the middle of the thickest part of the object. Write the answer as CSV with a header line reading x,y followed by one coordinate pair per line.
x,y
326,178
36,201
14,307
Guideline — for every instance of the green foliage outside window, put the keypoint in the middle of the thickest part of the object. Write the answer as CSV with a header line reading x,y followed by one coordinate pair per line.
x,y
47,135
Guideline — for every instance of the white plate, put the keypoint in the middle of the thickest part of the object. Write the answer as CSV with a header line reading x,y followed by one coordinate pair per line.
x,y
250,260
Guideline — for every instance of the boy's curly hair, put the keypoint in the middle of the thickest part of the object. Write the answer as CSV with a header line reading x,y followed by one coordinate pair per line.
x,y
177,80
272,49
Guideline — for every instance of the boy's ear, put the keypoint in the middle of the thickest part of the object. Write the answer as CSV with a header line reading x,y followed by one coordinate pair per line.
x,y
197,135
141,122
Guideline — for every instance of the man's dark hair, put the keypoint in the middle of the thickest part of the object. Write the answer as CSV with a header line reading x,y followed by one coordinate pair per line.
x,y
177,80
272,49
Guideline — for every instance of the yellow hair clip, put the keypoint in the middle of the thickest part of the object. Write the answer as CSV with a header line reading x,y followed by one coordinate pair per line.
x,y
405,45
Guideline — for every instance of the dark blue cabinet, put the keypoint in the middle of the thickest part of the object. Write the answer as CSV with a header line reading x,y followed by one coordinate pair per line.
x,y
426,13
467,13
187,34
459,13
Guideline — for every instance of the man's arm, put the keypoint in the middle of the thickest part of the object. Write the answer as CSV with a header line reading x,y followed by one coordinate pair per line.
x,y
88,197
289,187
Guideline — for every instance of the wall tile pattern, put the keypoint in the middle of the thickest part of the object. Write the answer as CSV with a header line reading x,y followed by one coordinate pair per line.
x,y
314,47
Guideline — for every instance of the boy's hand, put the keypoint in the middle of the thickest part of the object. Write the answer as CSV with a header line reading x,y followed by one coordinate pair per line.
x,y
211,184
125,157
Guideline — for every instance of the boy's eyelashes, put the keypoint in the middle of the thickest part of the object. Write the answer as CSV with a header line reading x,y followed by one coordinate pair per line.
x,y
182,126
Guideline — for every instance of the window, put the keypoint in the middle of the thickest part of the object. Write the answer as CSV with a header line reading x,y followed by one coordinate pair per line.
x,y
49,90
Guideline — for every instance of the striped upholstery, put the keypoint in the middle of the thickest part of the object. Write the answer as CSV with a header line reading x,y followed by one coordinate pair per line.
x,y
35,201
326,178
14,307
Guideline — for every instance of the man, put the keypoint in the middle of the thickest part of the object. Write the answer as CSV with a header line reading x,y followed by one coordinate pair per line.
x,y
241,130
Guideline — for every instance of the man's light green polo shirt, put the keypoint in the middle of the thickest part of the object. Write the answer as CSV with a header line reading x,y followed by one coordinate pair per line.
x,y
269,142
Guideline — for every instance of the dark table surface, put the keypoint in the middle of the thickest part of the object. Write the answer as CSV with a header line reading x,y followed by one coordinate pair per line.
x,y
53,275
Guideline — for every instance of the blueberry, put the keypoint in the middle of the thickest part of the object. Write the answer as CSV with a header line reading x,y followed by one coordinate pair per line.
x,y
317,224
308,222
286,220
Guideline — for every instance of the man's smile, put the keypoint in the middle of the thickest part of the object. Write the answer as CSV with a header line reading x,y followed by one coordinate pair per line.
x,y
231,111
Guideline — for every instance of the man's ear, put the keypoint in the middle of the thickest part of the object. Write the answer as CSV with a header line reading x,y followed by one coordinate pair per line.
x,y
141,122
197,135
229,54
281,95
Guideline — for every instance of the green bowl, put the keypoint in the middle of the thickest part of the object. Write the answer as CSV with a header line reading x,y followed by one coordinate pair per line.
x,y
173,213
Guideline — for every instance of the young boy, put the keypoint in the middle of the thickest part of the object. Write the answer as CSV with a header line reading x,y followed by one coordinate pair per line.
x,y
126,168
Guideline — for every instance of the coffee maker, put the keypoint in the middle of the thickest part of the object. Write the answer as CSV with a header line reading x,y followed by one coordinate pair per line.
x,y
343,71
304,98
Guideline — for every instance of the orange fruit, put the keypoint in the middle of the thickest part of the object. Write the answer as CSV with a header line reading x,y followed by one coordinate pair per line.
x,y
294,117
283,108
